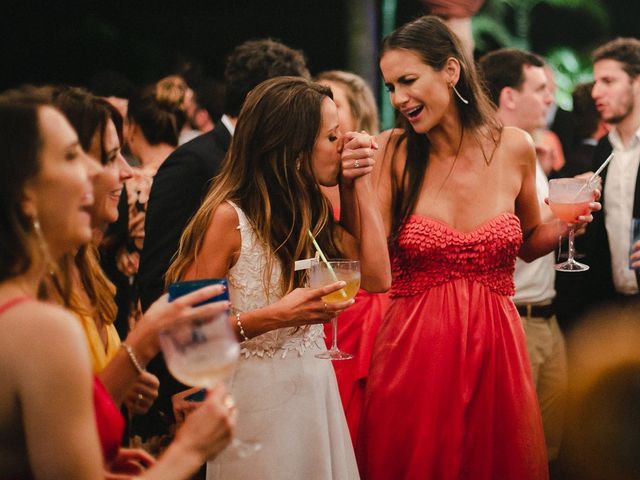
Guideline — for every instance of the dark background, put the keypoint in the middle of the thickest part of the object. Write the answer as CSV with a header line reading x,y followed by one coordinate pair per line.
x,y
63,42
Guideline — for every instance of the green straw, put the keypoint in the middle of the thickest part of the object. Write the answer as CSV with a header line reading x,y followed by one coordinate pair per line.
x,y
324,259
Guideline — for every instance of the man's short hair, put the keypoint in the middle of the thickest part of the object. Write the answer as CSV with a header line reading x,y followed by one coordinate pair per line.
x,y
504,68
254,62
624,50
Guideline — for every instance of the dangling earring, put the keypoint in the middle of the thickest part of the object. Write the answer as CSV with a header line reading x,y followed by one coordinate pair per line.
x,y
462,99
42,245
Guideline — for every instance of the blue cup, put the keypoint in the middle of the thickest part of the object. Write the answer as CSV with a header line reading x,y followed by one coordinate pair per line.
x,y
178,289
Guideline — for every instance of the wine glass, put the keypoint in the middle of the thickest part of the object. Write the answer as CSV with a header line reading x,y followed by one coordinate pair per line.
x,y
569,198
202,353
322,274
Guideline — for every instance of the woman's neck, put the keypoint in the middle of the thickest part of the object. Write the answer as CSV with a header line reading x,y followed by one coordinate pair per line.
x,y
26,284
152,156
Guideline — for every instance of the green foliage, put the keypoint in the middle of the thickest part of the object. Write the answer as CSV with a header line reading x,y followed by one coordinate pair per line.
x,y
570,68
507,23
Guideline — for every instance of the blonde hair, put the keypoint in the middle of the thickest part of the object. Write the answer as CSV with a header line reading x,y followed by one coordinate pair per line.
x,y
360,97
268,173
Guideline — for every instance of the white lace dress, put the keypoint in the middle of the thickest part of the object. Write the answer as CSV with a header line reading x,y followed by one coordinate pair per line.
x,y
287,399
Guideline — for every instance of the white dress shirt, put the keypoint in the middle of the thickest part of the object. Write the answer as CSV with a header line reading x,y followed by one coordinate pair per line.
x,y
618,209
535,280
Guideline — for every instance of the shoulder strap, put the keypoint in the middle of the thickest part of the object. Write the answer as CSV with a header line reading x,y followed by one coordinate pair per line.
x,y
12,303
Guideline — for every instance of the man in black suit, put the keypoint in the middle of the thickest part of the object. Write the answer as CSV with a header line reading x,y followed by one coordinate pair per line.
x,y
616,92
179,187
184,177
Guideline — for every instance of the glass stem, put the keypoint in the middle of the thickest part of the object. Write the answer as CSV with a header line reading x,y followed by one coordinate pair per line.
x,y
572,249
334,333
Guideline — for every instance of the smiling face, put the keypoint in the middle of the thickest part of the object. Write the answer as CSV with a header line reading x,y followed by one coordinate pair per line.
x,y
416,90
60,196
614,91
325,160
109,182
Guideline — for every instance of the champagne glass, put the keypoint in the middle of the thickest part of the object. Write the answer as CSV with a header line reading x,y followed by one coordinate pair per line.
x,y
202,353
320,275
569,198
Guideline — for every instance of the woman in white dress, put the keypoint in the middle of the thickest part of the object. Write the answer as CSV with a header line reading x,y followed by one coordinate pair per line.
x,y
251,228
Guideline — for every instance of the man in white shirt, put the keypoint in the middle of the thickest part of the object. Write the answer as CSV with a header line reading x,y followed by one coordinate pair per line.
x,y
518,86
616,92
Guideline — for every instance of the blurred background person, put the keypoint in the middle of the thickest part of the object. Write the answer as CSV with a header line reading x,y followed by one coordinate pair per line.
x,y
616,93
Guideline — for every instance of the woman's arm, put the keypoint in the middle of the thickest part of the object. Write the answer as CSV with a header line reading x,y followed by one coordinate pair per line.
x,y
364,234
220,251
121,373
539,237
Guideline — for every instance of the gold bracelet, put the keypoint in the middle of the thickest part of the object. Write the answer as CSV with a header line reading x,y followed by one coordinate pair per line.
x,y
242,334
134,360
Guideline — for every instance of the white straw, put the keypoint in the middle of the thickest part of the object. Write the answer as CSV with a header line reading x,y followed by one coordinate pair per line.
x,y
597,172
324,259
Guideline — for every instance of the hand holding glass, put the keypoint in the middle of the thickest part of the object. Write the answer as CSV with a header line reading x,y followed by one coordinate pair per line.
x,y
569,198
319,276
202,353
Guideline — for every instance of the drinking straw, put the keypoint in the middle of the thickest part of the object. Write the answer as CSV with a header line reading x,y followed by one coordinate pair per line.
x,y
324,259
597,172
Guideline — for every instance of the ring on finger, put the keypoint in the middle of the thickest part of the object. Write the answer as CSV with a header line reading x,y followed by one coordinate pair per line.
x,y
325,307
356,164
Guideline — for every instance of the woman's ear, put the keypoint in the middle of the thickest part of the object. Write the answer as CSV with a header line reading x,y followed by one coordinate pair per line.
x,y
28,202
452,70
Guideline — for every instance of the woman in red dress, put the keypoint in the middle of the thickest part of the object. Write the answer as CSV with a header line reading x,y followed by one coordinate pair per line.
x,y
450,393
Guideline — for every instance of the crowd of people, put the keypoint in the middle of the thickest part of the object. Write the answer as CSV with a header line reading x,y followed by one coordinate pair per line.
x,y
459,328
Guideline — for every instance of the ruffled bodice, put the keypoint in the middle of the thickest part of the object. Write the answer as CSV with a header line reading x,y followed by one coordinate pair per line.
x,y
430,253
248,292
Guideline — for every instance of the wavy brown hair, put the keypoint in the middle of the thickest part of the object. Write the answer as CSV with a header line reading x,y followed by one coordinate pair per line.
x,y
267,172
431,39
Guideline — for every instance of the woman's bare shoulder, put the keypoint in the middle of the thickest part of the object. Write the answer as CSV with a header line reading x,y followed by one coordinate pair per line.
x,y
517,145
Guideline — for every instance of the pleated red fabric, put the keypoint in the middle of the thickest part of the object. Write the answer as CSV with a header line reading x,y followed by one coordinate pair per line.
x,y
450,394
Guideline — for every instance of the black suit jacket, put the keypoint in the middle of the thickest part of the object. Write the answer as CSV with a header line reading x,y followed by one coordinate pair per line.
x,y
176,194
178,189
599,278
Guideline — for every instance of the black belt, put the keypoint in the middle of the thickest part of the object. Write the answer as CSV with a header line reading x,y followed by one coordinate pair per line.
x,y
540,311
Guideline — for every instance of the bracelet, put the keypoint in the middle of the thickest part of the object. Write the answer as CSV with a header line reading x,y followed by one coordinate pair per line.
x,y
134,360
242,334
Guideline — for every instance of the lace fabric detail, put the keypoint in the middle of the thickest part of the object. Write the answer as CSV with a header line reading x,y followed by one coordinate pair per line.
x,y
430,253
247,291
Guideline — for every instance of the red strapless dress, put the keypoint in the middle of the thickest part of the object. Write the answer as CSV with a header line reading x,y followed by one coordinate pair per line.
x,y
450,394
357,329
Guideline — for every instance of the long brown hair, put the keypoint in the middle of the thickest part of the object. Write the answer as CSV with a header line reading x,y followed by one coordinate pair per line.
x,y
267,172
431,39
20,144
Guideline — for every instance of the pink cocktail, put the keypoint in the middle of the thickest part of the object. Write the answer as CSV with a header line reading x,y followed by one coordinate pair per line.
x,y
569,199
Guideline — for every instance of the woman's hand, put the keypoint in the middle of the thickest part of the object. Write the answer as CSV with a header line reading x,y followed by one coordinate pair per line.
x,y
304,306
357,156
635,255
164,314
182,407
208,429
128,463
142,394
